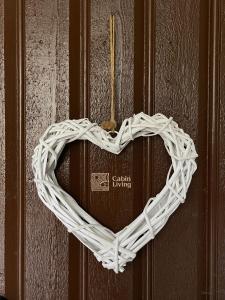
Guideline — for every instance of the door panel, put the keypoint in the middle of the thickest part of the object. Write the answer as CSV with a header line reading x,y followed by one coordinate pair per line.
x,y
46,101
54,65
176,66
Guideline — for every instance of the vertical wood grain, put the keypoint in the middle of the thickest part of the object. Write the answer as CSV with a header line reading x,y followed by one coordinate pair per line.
x,y
148,102
220,117
204,25
2,151
143,30
215,213
209,124
14,148
47,101
78,91
176,94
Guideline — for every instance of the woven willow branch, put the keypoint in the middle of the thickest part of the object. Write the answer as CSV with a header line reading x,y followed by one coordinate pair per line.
x,y
114,250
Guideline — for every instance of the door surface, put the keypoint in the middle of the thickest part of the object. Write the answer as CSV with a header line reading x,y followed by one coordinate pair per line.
x,y
54,65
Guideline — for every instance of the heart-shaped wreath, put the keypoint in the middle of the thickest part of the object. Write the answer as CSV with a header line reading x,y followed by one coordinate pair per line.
x,y
114,250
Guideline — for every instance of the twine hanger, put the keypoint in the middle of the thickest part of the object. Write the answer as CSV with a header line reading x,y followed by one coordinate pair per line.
x,y
111,124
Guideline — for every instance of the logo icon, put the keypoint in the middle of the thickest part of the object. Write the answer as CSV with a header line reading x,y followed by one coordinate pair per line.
x,y
100,181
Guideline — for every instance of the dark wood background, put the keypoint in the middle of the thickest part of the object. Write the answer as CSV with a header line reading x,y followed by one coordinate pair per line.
x,y
54,65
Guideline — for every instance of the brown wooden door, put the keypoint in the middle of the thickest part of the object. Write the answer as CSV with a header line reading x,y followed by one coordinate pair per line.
x,y
54,61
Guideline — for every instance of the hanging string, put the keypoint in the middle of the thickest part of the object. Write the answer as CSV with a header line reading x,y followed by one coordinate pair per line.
x,y
111,124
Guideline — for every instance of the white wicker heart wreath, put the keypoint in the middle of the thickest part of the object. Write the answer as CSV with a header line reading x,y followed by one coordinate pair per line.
x,y
114,250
